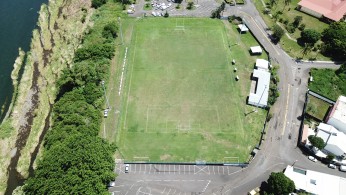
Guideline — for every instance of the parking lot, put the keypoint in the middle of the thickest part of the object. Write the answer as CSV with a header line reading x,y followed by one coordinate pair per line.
x,y
161,169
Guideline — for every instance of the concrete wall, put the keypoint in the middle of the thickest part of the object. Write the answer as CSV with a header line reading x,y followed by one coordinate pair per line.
x,y
311,12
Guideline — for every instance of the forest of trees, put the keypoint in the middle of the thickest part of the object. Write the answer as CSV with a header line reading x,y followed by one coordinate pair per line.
x,y
75,159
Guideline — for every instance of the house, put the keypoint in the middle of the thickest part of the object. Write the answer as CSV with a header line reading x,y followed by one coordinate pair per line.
x,y
334,10
243,28
256,50
262,64
314,182
334,139
337,116
260,94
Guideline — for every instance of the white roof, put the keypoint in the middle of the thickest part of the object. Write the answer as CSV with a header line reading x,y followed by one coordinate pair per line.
x,y
262,64
339,113
333,138
316,182
256,49
260,97
243,27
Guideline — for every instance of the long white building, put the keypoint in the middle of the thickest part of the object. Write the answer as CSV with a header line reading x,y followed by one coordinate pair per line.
x,y
260,96
337,117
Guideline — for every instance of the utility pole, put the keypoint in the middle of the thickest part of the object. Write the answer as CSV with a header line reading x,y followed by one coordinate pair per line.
x,y
104,90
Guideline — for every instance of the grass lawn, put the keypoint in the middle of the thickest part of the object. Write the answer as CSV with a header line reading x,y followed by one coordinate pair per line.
x,y
328,83
317,107
180,100
289,12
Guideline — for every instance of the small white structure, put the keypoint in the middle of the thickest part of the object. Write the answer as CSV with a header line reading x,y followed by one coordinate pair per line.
x,y
337,117
334,139
256,50
242,28
315,182
262,64
260,97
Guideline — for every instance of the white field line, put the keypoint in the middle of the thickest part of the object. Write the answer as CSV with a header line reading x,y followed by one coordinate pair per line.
x,y
122,72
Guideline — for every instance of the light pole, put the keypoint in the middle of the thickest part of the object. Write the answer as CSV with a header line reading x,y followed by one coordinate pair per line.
x,y
121,32
294,163
265,87
104,90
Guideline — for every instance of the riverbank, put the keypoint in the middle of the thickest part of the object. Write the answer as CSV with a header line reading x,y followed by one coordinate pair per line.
x,y
61,27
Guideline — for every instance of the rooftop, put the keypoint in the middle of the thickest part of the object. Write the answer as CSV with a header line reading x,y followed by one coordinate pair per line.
x,y
332,9
339,111
243,27
261,94
262,64
256,49
316,182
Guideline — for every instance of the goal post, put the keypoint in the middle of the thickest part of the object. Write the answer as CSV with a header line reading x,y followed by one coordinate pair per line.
x,y
141,159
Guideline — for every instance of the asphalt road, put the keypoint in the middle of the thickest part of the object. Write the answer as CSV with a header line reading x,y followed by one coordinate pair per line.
x,y
276,152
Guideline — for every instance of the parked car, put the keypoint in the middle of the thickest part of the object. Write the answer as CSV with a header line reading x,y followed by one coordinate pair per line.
x,y
343,168
313,159
332,166
127,168
111,184
105,113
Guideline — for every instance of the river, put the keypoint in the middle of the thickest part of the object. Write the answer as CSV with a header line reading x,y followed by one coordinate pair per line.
x,y
17,20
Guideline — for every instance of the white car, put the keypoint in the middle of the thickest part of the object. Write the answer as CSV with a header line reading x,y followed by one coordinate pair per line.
x,y
313,159
127,168
332,166
105,113
343,168
111,184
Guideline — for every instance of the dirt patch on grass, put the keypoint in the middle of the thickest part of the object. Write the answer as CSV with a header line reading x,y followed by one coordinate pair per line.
x,y
165,157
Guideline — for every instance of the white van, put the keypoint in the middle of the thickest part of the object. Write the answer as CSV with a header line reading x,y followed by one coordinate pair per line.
x,y
343,168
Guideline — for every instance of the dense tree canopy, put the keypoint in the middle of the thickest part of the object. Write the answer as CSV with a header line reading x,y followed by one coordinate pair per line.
x,y
279,184
310,36
334,38
317,142
75,160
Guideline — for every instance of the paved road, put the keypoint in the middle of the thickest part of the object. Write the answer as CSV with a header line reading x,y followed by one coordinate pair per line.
x,y
277,151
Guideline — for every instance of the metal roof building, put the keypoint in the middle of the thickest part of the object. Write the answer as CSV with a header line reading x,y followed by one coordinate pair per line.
x,y
260,96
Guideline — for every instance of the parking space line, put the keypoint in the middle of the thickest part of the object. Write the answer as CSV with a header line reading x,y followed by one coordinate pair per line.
x,y
135,168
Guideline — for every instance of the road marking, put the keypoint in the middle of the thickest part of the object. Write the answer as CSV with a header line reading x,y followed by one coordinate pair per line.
x,y
288,95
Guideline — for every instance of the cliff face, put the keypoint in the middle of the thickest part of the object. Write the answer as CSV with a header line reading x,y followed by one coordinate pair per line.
x,y
61,27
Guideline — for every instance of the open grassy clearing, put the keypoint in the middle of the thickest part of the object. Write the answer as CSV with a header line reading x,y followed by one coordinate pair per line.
x,y
181,101
317,107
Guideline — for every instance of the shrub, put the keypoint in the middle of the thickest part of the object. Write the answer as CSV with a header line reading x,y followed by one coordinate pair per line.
x,y
97,3
301,27
110,30
291,28
166,15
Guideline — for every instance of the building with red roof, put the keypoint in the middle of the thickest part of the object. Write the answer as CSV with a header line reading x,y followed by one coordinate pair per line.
x,y
334,10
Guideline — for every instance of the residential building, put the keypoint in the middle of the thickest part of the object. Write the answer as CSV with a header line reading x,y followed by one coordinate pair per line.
x,y
315,182
337,116
334,139
333,10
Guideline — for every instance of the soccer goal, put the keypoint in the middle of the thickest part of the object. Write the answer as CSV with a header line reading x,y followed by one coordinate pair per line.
x,y
141,159
230,159
179,26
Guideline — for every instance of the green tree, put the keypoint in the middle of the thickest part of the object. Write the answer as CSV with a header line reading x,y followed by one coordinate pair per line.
x,y
190,5
334,38
317,142
330,157
166,15
279,184
297,21
110,30
278,32
287,3
310,36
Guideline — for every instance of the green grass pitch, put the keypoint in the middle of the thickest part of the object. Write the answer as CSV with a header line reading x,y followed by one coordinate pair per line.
x,y
181,100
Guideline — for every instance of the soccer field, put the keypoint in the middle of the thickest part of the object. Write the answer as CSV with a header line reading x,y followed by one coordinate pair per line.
x,y
181,100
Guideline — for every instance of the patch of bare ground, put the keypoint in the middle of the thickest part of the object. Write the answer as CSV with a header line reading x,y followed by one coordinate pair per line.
x,y
60,31
165,157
